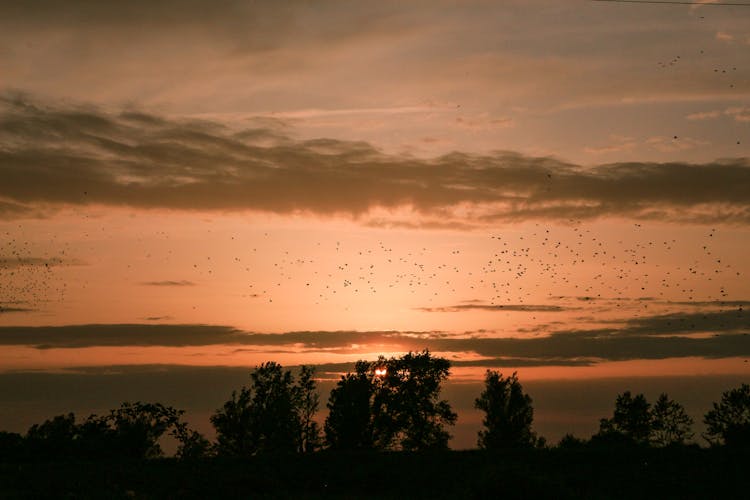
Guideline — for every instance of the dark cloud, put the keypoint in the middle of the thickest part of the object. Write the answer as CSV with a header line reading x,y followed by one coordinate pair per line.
x,y
720,334
169,283
4,309
16,262
495,307
58,156
78,336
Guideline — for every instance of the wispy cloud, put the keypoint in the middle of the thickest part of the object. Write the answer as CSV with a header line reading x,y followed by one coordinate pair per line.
x,y
168,283
4,309
495,307
70,156
724,333
16,262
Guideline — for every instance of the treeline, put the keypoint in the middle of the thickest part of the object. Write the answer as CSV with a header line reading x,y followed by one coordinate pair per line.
x,y
387,404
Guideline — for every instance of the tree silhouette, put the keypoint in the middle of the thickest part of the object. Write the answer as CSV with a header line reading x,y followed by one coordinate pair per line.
x,y
274,414
349,422
307,400
410,394
54,438
670,424
11,446
131,431
631,419
391,404
137,427
508,413
729,421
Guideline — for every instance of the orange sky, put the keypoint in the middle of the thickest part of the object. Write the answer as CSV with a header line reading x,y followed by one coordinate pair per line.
x,y
555,187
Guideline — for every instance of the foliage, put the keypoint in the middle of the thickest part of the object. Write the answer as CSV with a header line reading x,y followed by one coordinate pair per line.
x,y
349,423
670,424
273,414
635,421
729,421
307,399
508,413
631,419
11,445
391,404
131,432
570,442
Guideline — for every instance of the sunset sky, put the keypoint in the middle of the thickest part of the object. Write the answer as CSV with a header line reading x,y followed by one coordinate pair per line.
x,y
190,188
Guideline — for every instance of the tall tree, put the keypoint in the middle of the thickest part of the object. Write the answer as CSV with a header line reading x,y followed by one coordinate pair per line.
x,y
349,422
273,414
391,404
508,413
306,401
669,423
411,393
729,420
631,419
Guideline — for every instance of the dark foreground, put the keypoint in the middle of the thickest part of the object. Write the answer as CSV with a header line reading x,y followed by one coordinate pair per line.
x,y
646,473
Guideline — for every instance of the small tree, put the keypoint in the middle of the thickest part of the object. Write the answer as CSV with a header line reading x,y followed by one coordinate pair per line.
x,y
729,421
631,419
272,415
306,401
670,424
508,413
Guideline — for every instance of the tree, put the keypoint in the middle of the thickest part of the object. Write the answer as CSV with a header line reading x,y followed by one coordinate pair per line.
x,y
193,444
11,446
274,414
508,413
307,400
349,422
137,427
409,398
570,442
131,431
631,419
670,424
729,421
391,404
54,438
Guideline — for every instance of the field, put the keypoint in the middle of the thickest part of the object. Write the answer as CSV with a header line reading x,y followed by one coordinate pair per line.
x,y
557,473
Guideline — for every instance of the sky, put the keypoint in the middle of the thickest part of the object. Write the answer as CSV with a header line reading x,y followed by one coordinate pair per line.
x,y
192,188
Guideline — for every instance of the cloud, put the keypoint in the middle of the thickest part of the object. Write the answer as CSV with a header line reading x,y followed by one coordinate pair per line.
x,y
739,113
168,283
16,262
55,157
717,334
724,37
704,115
495,307
4,309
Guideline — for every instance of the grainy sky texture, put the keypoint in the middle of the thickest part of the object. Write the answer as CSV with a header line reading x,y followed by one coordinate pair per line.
x,y
556,187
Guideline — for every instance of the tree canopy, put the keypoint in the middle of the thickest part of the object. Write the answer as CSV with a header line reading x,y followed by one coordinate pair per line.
x,y
635,421
131,431
508,413
273,414
391,404
729,420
